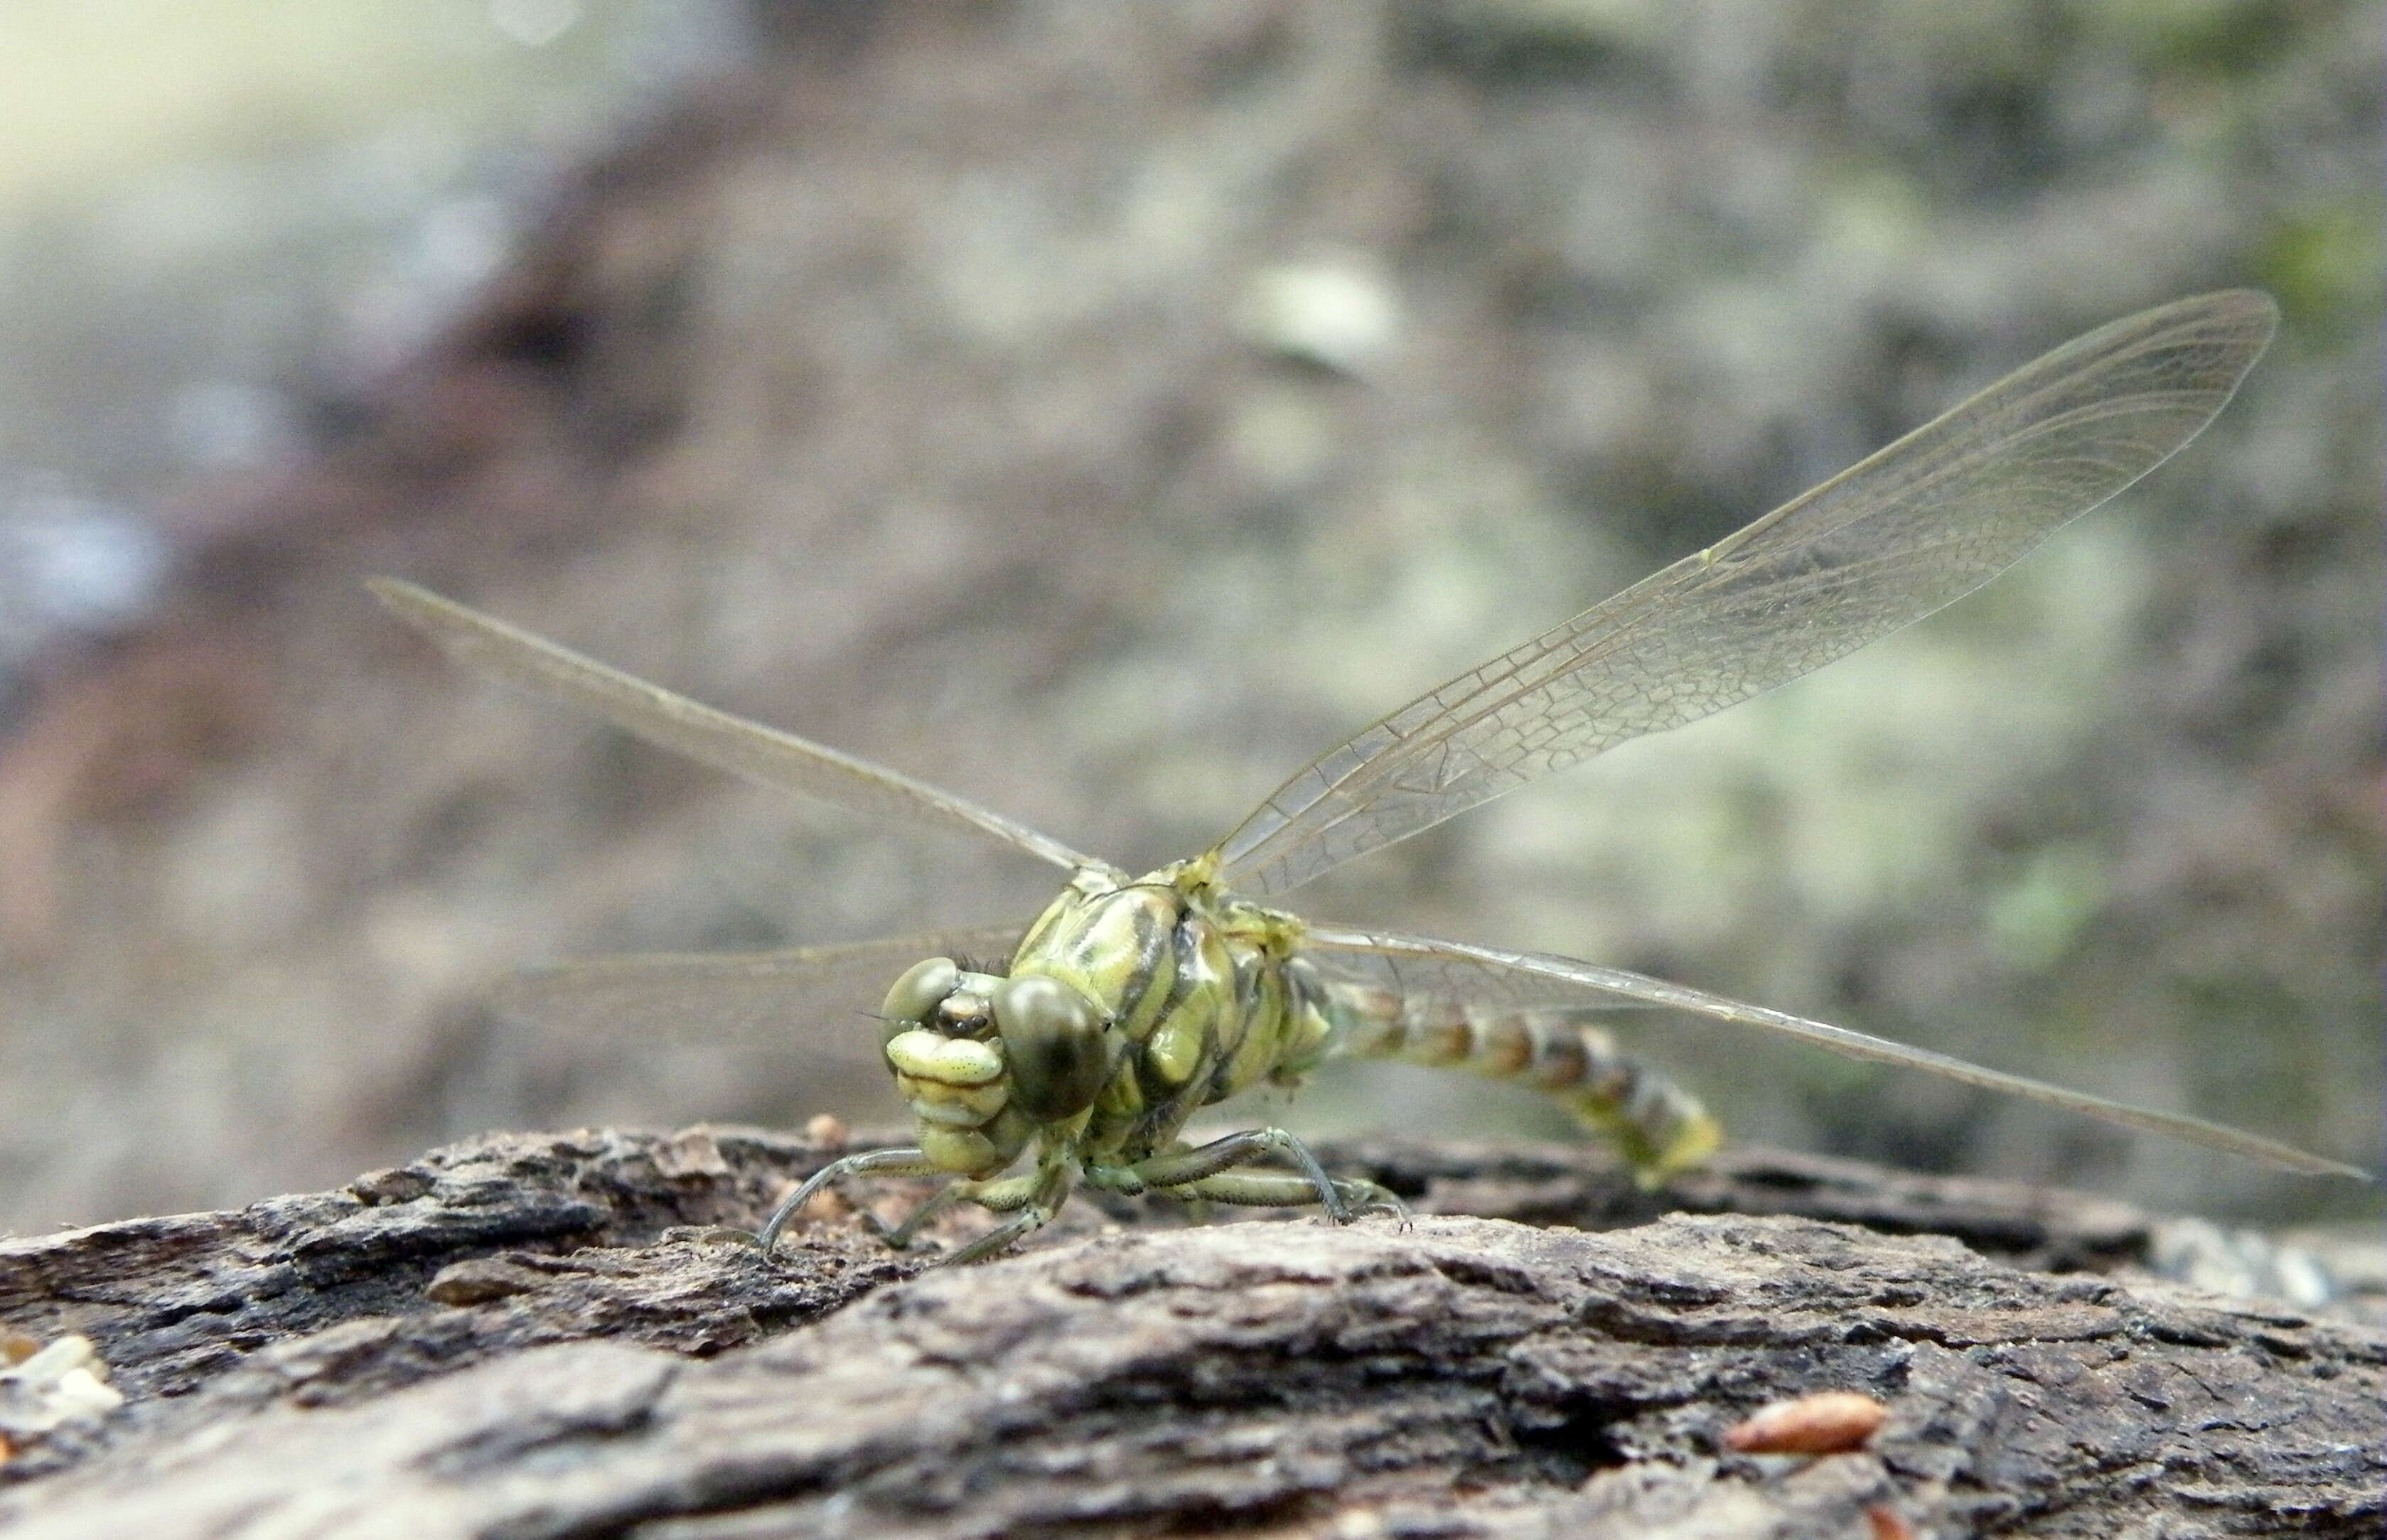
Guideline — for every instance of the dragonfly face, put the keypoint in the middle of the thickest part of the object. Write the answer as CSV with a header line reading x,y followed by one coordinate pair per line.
x,y
953,1067
985,1059
1127,1004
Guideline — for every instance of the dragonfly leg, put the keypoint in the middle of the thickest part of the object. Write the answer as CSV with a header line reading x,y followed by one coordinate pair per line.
x,y
899,1236
1185,1168
1285,1189
1032,1200
1032,1218
1368,1197
902,1161
1007,1196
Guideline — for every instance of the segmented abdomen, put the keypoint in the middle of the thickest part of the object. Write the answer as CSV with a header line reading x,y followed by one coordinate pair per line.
x,y
1655,1124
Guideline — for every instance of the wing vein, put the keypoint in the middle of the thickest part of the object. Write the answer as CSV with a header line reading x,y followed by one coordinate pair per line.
x,y
1908,529
1597,979
764,755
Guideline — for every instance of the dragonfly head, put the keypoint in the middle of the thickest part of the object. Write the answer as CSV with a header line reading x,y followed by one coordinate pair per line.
x,y
983,1059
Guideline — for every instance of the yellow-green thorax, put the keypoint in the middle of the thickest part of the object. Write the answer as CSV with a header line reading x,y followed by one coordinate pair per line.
x,y
1191,996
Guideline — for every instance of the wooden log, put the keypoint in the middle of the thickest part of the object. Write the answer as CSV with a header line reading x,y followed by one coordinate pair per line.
x,y
541,1335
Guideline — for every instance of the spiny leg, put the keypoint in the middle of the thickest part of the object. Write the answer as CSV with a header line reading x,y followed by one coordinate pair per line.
x,y
1285,1189
1030,1218
902,1161
1180,1169
899,1236
1007,1196
1032,1199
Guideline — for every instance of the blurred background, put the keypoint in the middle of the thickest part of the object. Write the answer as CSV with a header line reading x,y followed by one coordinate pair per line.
x,y
1100,410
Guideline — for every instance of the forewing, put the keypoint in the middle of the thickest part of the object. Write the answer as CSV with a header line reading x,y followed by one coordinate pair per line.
x,y
735,996
496,650
1886,542
759,1035
1619,983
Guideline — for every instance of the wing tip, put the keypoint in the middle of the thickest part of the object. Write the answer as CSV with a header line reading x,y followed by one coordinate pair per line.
x,y
411,602
2252,309
2258,301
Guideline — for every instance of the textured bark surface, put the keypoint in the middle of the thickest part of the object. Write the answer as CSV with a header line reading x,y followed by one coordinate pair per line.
x,y
520,1336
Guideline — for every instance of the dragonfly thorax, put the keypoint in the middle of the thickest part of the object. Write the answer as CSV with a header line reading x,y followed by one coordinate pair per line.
x,y
1128,1006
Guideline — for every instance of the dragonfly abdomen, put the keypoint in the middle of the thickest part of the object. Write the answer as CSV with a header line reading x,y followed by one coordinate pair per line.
x,y
1657,1125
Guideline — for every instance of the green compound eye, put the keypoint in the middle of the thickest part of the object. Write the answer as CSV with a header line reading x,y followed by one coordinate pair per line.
x,y
916,996
1059,1045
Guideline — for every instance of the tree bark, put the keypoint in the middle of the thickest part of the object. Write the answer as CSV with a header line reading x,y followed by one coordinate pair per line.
x,y
537,1336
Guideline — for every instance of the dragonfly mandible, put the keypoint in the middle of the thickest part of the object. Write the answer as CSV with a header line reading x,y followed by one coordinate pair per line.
x,y
1131,1002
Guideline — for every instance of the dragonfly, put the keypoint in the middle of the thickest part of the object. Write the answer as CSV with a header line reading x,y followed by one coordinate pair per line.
x,y
1076,1056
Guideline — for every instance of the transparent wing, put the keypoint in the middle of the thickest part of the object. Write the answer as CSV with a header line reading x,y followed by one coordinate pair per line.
x,y
1593,976
496,650
759,1036
1887,541
735,998
1466,981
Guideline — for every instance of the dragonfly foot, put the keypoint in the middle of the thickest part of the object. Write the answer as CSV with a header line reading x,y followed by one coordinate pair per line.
x,y
1367,1197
